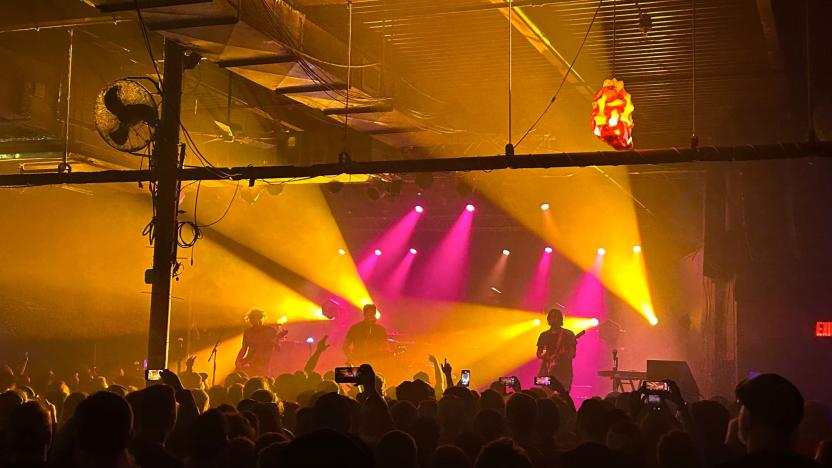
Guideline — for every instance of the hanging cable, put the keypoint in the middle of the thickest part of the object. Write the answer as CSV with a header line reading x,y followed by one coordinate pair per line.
x,y
810,121
64,165
345,154
565,76
694,140
614,25
509,145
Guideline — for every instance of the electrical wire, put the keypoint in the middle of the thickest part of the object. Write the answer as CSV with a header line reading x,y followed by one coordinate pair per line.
x,y
565,76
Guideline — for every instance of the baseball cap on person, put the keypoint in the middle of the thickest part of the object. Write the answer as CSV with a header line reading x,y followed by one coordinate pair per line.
x,y
772,400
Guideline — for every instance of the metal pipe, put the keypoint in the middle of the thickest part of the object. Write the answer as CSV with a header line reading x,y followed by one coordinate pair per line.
x,y
471,163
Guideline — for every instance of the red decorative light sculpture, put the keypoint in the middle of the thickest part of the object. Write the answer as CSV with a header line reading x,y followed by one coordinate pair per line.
x,y
612,115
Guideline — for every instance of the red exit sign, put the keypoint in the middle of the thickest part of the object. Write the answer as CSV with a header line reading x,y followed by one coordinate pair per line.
x,y
823,329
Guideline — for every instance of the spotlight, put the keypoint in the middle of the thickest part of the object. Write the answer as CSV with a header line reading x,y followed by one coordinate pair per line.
x,y
274,189
602,251
544,207
419,209
506,252
330,309
653,321
283,320
335,186
377,252
413,251
342,252
470,207
548,250
594,322
378,315
310,340
636,249
537,322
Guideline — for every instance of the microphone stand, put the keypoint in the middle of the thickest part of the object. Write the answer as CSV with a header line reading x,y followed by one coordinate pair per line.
x,y
213,356
616,382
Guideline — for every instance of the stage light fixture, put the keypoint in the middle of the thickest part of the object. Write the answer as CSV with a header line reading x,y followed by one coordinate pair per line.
x,y
506,252
594,322
283,320
548,250
537,322
378,315
342,252
330,309
636,249
419,209
413,251
470,207
335,186
544,207
602,251
377,252
310,340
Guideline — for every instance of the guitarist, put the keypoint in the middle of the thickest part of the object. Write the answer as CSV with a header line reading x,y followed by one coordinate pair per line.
x,y
259,343
556,349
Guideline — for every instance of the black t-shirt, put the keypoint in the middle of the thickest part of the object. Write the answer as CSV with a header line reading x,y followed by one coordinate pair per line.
x,y
368,340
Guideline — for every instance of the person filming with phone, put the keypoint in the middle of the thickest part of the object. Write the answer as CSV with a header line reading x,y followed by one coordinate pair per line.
x,y
556,350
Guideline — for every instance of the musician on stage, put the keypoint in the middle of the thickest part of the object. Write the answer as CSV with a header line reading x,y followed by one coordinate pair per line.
x,y
366,340
556,349
259,343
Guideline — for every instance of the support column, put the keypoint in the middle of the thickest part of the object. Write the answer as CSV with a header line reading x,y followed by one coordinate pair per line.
x,y
164,167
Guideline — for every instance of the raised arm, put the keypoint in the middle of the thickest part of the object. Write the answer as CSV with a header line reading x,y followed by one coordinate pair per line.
x,y
313,359
438,386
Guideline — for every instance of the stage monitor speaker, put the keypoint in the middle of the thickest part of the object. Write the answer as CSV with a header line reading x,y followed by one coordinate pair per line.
x,y
677,371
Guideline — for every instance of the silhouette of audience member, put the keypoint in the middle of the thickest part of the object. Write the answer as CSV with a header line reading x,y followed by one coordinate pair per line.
x,y
449,456
404,414
586,455
327,448
209,441
710,425
676,450
103,424
396,449
29,436
332,411
490,425
770,413
503,453
590,424
155,413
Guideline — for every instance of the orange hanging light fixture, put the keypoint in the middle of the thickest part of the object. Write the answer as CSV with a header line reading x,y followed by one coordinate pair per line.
x,y
612,115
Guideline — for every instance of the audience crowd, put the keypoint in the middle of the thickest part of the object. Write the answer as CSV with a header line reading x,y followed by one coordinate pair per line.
x,y
306,419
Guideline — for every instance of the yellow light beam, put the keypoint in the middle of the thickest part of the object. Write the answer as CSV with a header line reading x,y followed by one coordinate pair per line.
x,y
586,212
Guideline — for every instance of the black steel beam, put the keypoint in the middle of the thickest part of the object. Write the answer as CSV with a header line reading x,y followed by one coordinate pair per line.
x,y
357,110
128,5
310,88
165,165
474,163
393,131
194,22
262,60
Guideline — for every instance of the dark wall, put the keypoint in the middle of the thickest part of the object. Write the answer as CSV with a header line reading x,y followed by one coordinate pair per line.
x,y
783,254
